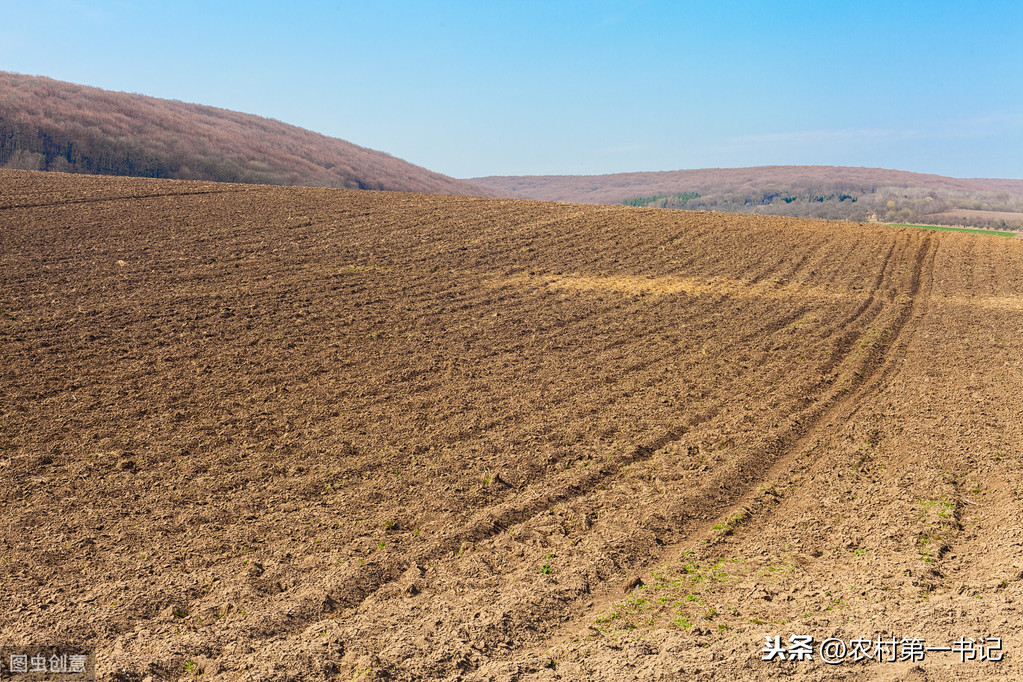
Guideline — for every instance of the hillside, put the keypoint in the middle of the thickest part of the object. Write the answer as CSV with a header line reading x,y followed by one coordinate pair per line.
x,y
830,192
56,126
272,433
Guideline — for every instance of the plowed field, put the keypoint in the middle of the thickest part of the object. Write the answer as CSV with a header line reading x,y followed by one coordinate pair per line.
x,y
284,433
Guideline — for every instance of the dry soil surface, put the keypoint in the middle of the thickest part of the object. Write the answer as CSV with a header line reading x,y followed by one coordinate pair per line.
x,y
282,433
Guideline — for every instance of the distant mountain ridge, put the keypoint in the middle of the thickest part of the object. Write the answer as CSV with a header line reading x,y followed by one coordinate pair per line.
x,y
618,187
830,192
47,124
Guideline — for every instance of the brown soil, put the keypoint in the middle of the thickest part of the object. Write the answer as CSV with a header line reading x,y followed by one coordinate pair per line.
x,y
966,214
280,433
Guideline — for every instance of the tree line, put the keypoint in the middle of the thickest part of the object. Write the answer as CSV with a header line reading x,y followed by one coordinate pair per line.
x,y
861,204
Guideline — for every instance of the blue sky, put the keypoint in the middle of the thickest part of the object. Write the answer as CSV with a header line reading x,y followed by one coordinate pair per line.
x,y
510,88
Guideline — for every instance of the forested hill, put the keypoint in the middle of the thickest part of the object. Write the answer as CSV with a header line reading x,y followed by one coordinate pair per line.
x,y
52,125
831,192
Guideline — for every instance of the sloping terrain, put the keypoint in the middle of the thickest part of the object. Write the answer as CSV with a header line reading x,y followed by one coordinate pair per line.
x,y
256,432
56,126
830,192
617,187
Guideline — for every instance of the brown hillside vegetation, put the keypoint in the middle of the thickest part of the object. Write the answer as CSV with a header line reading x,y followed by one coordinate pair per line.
x,y
829,192
52,125
268,433
617,187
